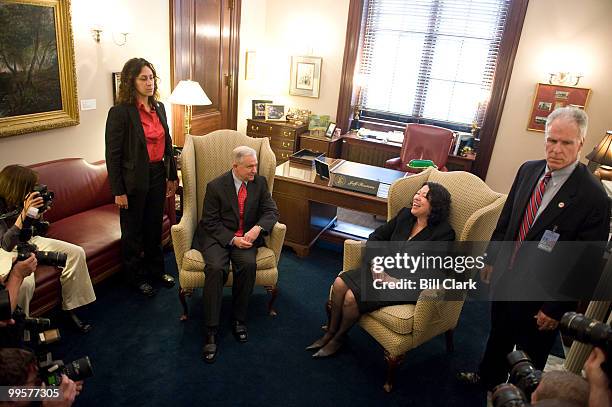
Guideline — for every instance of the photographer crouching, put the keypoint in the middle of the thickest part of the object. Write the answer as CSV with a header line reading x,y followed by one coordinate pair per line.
x,y
22,203
19,368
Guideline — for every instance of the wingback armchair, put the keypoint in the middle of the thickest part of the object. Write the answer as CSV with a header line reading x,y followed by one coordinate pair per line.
x,y
474,211
422,141
203,159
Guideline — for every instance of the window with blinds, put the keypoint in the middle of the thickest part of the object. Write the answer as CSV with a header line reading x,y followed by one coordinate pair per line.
x,y
430,59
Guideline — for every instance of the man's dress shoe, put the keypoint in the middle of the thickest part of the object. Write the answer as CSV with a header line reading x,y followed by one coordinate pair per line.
x,y
209,352
146,289
240,332
167,280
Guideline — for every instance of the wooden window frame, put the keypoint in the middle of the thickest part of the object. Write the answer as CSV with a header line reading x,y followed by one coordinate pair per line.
x,y
501,81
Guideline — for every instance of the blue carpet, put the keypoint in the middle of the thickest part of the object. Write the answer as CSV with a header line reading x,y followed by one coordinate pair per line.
x,y
144,356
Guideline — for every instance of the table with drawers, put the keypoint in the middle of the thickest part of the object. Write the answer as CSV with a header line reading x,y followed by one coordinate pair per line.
x,y
283,136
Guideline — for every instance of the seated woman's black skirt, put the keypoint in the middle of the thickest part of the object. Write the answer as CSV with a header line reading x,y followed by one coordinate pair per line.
x,y
368,298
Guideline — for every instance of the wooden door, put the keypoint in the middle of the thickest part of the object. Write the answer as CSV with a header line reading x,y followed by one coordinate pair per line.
x,y
204,48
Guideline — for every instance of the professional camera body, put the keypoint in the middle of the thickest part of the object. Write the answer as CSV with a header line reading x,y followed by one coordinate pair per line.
x,y
45,194
524,379
51,371
590,332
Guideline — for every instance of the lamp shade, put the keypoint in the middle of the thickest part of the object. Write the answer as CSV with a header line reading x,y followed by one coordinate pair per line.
x,y
602,154
189,93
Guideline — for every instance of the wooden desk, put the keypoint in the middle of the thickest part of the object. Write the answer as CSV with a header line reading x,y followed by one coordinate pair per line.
x,y
308,205
376,152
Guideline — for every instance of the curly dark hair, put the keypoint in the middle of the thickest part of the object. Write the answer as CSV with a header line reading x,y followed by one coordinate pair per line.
x,y
129,73
439,198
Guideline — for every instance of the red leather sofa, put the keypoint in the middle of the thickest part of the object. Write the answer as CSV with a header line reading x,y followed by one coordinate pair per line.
x,y
83,213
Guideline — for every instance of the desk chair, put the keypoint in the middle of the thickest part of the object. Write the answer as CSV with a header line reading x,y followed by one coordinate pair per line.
x,y
204,158
474,211
422,141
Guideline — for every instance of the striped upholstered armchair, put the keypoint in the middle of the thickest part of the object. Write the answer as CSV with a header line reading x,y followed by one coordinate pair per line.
x,y
203,159
475,209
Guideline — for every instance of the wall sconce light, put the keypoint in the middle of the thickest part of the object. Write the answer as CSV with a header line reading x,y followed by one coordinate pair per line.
x,y
95,32
122,40
564,78
188,93
602,155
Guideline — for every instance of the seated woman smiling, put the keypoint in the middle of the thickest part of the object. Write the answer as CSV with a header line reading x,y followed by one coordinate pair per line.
x,y
425,220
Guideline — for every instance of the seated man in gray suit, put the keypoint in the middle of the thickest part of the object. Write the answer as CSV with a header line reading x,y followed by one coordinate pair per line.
x,y
238,212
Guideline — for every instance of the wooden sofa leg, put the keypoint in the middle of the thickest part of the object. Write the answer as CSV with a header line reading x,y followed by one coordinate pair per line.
x,y
450,344
273,291
182,294
392,363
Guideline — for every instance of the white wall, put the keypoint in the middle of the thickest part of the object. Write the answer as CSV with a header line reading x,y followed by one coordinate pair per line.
x,y
148,24
558,35
278,29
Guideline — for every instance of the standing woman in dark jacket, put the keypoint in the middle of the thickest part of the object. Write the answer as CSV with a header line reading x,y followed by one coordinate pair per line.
x,y
142,173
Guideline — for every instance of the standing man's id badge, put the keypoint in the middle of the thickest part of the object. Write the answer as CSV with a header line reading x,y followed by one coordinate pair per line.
x,y
548,241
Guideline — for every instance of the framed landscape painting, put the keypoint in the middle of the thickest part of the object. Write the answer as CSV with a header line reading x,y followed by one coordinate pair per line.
x,y
37,69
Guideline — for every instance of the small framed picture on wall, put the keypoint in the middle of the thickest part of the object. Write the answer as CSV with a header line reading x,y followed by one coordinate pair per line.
x,y
116,83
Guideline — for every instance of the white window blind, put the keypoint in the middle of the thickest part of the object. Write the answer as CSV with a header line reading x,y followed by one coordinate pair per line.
x,y
431,59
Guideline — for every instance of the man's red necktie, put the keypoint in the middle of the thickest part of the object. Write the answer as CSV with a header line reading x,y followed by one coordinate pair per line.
x,y
242,196
530,213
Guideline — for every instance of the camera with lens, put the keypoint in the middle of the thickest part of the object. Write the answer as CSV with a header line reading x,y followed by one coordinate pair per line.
x,y
590,332
524,379
51,371
56,259
46,195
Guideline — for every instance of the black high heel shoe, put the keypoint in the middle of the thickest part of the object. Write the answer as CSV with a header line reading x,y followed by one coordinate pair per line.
x,y
80,325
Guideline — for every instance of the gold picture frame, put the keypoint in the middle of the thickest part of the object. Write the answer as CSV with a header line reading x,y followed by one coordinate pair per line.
x,y
55,99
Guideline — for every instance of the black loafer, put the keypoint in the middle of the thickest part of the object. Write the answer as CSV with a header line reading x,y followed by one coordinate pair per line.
x,y
146,289
240,332
209,352
167,280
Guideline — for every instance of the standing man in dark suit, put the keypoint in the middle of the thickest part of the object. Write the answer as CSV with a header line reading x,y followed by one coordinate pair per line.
x,y
551,201
238,212
142,173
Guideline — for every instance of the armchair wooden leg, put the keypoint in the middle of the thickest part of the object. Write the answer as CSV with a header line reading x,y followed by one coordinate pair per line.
x,y
392,363
182,293
328,307
273,291
450,344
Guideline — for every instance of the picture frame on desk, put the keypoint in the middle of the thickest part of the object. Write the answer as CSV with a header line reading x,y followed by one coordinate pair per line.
x,y
275,112
259,109
330,130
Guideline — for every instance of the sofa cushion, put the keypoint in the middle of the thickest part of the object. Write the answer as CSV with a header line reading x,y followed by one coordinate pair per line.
x,y
95,230
398,318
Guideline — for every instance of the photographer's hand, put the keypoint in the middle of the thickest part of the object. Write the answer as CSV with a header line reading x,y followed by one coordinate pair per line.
x,y
68,390
600,394
22,269
33,200
121,201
